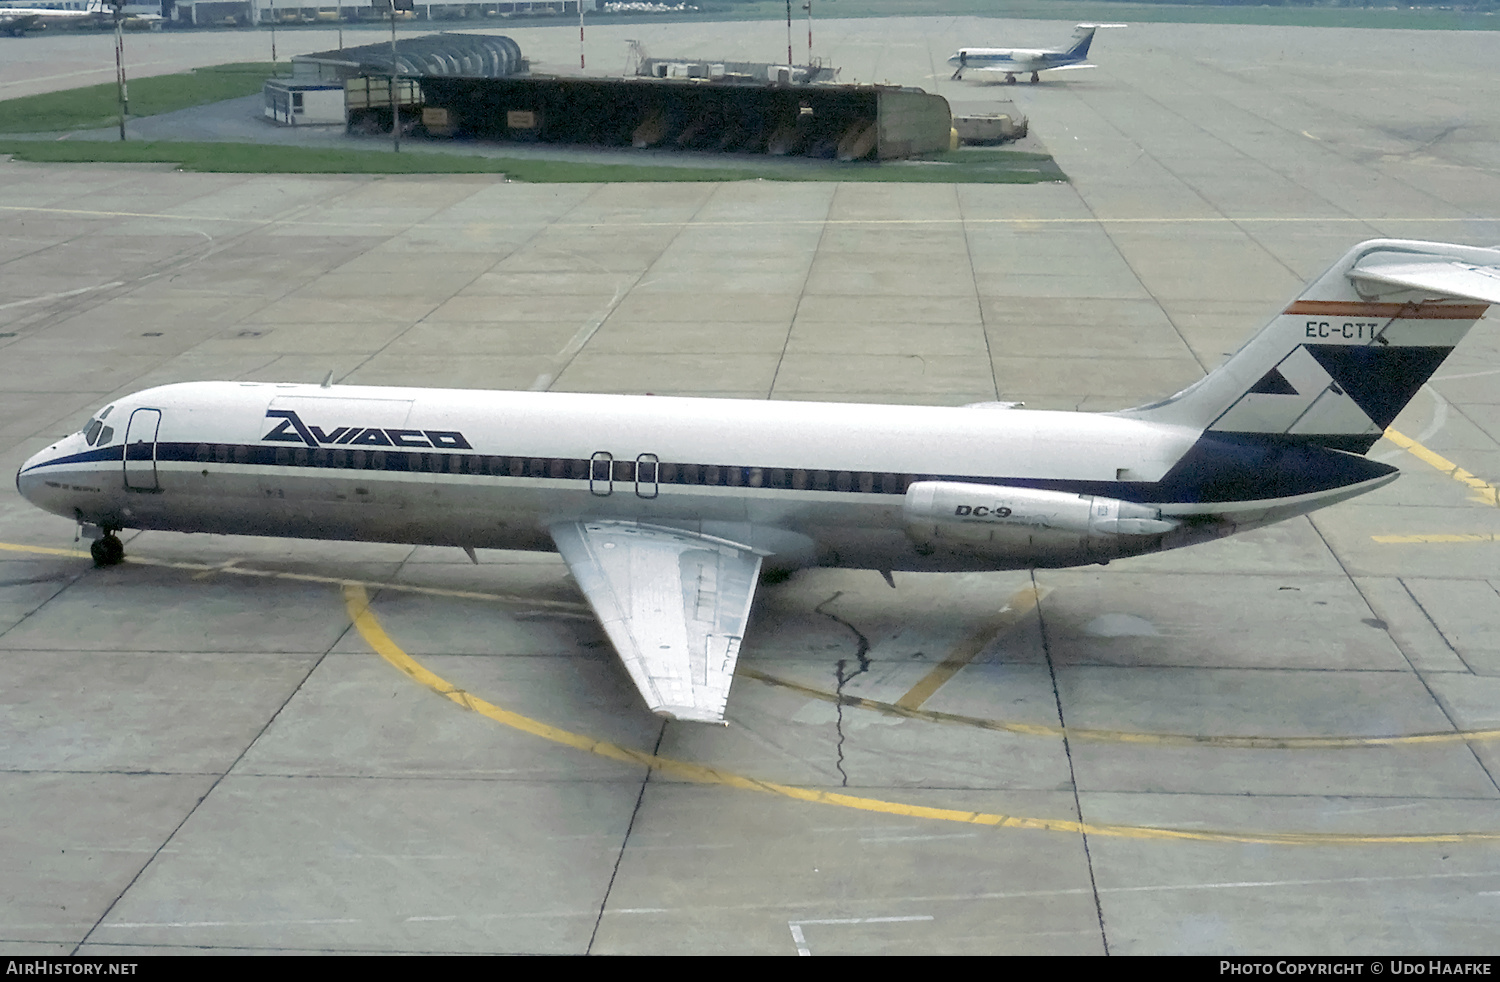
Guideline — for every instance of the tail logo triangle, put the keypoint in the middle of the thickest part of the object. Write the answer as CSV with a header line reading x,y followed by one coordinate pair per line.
x,y
1273,383
1381,380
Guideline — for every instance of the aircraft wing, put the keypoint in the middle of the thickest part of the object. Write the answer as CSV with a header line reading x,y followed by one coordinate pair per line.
x,y
1445,276
1022,68
673,603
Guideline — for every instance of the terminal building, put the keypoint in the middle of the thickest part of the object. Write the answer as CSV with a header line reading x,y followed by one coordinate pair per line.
x,y
479,86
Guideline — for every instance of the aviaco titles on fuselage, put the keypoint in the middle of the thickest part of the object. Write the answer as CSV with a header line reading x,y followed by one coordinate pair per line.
x,y
646,497
1011,62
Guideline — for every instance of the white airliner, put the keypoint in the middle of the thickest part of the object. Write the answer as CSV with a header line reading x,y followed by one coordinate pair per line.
x,y
1018,61
16,21
666,510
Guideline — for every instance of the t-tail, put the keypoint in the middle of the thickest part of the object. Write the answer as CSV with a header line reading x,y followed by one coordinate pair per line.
x,y
1083,36
1338,364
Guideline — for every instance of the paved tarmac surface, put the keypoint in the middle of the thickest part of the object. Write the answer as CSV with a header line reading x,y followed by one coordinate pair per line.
x,y
202,750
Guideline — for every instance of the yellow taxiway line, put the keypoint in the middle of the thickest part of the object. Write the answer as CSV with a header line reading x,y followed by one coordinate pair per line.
x,y
1019,604
357,601
1125,736
231,568
964,652
1485,493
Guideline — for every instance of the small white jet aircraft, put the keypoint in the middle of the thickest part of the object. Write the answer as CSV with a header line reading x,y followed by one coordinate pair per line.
x,y
1018,61
666,510
16,21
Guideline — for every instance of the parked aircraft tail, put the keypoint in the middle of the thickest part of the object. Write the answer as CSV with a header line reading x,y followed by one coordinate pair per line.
x,y
1337,365
1083,36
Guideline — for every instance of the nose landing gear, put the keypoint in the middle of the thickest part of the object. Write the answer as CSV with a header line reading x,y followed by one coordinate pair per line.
x,y
107,550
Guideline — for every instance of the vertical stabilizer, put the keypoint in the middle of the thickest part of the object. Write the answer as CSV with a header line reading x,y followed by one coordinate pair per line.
x,y
1337,365
1083,36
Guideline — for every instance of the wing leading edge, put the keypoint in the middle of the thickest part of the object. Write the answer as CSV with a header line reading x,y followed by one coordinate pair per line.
x,y
673,603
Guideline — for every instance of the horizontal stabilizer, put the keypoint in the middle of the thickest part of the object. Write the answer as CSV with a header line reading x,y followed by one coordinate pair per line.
x,y
1449,278
1063,68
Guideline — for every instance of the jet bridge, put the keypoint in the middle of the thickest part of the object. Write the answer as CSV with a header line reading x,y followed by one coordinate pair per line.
x,y
847,122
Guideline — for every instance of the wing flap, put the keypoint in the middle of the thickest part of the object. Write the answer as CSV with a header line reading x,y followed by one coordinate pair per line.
x,y
673,603
1448,277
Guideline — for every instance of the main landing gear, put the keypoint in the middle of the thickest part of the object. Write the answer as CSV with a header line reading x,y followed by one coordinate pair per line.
x,y
1010,79
1035,78
107,550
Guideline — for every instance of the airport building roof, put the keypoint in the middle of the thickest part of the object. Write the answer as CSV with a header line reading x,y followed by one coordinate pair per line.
x,y
446,54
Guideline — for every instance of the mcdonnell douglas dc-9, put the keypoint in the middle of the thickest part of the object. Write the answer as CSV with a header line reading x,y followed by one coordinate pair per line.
x,y
667,510
1014,61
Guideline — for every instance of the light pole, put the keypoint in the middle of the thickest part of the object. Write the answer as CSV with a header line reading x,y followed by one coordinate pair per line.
x,y
789,39
395,106
120,87
808,7
395,88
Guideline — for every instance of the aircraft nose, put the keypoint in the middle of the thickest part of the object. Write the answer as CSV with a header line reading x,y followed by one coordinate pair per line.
x,y
27,481
33,484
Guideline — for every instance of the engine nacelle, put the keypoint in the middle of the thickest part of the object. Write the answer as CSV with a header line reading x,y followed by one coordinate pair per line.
x,y
1058,527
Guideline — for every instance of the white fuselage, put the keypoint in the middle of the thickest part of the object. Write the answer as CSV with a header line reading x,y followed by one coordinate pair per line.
x,y
807,483
1016,60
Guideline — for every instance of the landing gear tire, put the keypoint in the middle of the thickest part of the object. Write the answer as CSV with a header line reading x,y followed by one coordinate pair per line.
x,y
1035,78
1010,80
107,551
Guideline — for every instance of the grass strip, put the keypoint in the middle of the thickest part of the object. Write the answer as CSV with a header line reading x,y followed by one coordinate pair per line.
x,y
98,105
958,167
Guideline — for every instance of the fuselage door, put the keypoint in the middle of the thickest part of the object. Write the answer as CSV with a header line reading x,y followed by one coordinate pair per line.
x,y
140,450
602,473
646,466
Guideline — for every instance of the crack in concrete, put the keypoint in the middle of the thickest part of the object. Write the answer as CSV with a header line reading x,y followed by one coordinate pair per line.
x,y
861,653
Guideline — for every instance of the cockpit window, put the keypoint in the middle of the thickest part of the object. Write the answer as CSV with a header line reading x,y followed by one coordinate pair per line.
x,y
95,432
